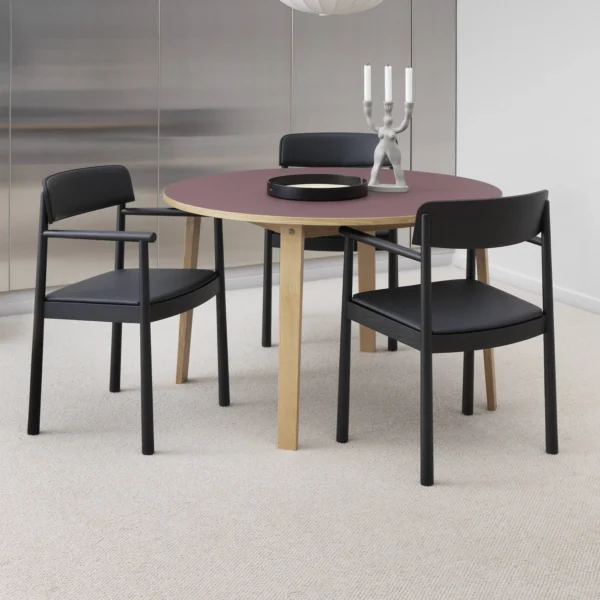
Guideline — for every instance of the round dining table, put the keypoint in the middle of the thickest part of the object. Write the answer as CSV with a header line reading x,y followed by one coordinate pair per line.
x,y
242,196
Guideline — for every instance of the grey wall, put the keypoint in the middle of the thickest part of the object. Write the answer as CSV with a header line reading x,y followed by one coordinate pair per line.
x,y
528,119
176,88
434,67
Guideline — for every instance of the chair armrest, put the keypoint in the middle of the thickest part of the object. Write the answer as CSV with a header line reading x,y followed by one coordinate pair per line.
x,y
536,240
380,244
157,212
106,236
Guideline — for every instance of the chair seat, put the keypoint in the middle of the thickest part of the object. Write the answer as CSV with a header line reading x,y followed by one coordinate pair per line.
x,y
458,306
122,287
330,243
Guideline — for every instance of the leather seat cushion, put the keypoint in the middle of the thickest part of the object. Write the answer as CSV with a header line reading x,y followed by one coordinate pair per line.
x,y
122,287
458,306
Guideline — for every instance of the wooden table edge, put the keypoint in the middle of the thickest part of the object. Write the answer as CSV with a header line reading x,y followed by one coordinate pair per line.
x,y
384,222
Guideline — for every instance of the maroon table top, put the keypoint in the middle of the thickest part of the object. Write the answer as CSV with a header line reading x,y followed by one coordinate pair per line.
x,y
242,196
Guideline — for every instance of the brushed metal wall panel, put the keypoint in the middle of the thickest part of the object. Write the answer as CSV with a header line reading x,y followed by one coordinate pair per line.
x,y
225,103
329,55
84,92
4,141
434,61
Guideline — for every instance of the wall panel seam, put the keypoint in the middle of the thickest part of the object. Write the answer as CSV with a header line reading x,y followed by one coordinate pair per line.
x,y
455,87
292,75
412,60
10,69
158,114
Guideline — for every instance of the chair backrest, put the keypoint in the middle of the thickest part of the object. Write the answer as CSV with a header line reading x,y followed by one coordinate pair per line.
x,y
468,224
79,191
328,150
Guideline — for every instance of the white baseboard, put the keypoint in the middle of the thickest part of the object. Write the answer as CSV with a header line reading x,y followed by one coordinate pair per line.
x,y
533,284
21,301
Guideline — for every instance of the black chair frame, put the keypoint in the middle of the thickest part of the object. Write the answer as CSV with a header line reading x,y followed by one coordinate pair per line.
x,y
429,343
322,150
143,313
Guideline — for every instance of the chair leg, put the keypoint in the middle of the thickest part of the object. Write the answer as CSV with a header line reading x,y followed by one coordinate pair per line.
x,y
115,357
222,350
146,378
468,383
35,387
426,419
343,415
550,394
393,280
267,315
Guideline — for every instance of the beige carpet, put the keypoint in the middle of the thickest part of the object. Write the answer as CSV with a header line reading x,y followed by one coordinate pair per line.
x,y
219,513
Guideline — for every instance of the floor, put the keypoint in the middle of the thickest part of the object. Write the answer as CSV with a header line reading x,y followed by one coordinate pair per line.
x,y
219,513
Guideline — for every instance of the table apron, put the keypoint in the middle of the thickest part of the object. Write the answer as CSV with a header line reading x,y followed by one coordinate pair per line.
x,y
312,231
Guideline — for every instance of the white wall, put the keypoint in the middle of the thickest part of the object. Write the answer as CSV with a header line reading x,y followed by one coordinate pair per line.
x,y
529,118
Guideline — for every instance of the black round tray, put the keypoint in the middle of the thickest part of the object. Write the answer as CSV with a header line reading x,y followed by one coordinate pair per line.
x,y
284,187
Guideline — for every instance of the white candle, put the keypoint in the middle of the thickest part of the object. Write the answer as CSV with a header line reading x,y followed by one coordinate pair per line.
x,y
409,84
388,84
368,96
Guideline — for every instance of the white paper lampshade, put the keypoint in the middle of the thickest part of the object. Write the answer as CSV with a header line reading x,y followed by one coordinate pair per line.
x,y
332,7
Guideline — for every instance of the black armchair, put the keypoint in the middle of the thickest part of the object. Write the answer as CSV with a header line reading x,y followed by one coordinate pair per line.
x,y
322,150
456,315
120,296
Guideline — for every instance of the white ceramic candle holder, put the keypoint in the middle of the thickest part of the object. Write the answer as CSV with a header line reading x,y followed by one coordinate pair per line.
x,y
388,146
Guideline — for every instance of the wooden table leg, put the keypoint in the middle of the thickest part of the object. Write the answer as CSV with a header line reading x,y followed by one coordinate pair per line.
x,y
291,267
488,355
190,261
366,283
